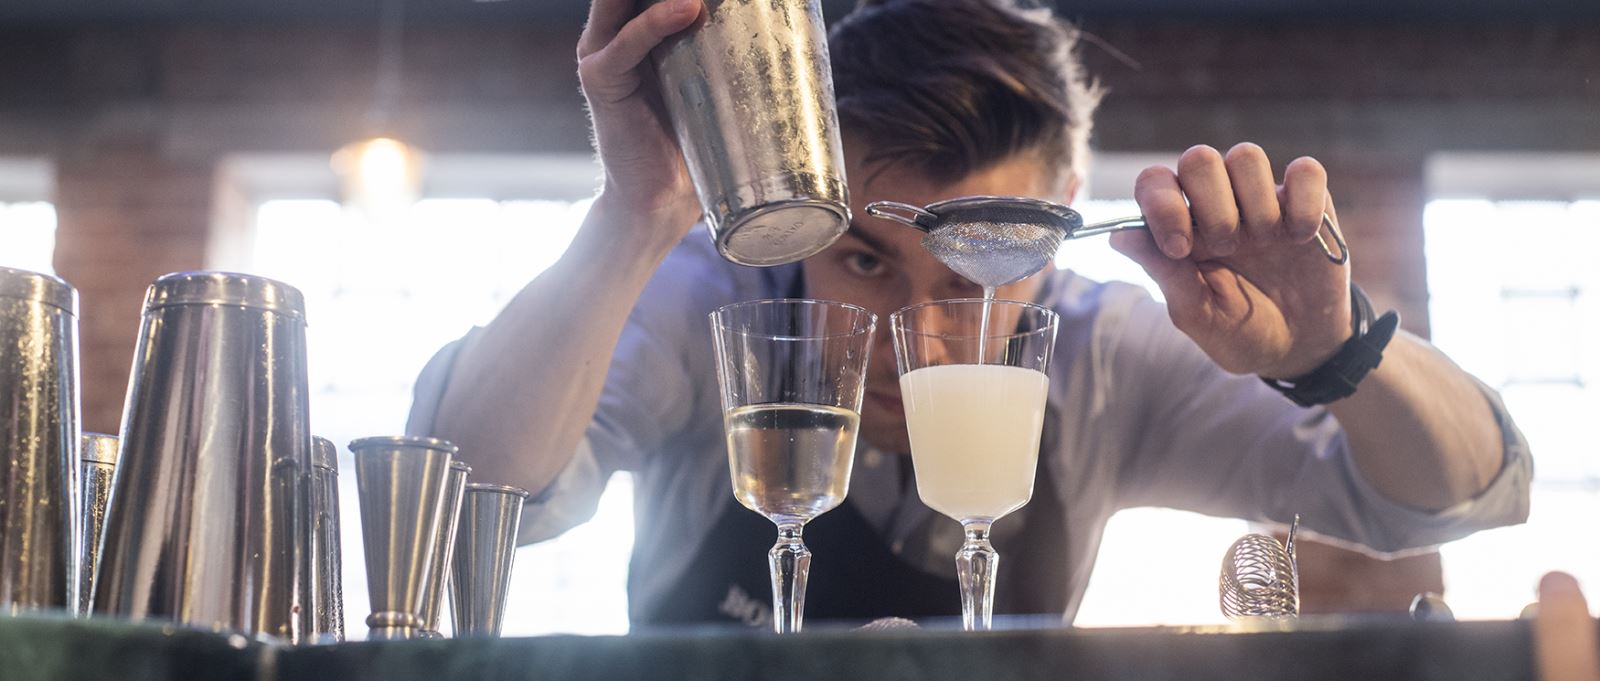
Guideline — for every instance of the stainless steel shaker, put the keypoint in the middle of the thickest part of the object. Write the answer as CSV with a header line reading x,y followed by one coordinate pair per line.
x,y
401,481
750,93
39,431
99,468
486,543
205,522
325,595
444,547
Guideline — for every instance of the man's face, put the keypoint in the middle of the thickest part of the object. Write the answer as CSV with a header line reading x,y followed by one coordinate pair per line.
x,y
881,266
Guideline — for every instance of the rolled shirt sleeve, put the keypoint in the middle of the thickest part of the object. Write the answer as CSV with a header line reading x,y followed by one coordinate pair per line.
x,y
1225,445
566,502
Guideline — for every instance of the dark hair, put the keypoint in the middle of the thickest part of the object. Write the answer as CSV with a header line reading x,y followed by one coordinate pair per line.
x,y
955,86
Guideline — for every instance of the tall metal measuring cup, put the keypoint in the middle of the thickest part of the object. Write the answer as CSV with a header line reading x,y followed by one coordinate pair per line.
x,y
325,596
750,93
486,546
444,547
205,519
39,430
99,470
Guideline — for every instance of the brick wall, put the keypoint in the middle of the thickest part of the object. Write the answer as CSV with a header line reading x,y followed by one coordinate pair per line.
x,y
126,216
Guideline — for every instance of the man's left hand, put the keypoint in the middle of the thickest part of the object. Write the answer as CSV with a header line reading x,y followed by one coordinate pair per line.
x,y
1235,254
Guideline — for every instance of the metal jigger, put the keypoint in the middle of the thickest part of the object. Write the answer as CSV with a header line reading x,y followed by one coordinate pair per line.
x,y
401,483
445,547
326,610
485,544
99,467
39,431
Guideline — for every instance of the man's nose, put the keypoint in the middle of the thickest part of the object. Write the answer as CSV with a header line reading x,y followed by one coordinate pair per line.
x,y
883,352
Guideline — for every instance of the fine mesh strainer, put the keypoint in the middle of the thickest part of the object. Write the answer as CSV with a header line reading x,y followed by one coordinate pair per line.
x,y
996,240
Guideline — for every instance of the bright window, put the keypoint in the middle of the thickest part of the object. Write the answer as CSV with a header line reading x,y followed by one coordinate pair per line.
x,y
28,236
381,299
1515,299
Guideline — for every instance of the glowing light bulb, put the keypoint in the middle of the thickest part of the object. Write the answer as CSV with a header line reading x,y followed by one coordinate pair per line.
x,y
381,177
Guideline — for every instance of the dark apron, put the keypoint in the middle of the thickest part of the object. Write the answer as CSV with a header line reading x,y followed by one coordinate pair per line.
x,y
855,577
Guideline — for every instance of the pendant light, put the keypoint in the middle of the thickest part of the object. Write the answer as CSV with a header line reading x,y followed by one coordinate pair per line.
x,y
380,177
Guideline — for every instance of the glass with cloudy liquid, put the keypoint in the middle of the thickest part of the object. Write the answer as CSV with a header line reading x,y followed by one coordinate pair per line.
x,y
973,381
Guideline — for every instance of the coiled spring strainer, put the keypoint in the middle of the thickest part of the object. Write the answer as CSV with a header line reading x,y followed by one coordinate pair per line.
x,y
1261,578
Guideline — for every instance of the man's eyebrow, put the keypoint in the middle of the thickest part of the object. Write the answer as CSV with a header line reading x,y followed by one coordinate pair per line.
x,y
877,244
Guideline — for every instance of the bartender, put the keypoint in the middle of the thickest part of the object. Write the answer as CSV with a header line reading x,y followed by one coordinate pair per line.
x,y
605,363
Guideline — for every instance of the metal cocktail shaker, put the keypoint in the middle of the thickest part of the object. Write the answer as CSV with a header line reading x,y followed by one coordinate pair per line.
x,y
39,430
401,481
325,605
206,520
99,470
750,93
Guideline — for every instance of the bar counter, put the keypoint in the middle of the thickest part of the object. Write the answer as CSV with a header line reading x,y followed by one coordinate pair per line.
x,y
46,648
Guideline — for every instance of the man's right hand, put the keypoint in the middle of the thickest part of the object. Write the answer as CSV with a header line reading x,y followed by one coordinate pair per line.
x,y
646,181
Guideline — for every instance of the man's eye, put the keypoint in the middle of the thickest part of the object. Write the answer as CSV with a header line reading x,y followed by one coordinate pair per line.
x,y
864,264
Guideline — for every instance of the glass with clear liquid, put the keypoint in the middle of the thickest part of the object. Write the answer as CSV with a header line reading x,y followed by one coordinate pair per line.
x,y
974,383
790,462
791,374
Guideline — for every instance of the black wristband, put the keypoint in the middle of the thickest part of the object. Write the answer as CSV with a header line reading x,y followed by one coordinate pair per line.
x,y
1337,378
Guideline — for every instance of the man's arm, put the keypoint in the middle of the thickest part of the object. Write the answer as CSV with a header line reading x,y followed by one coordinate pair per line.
x,y
1186,434
522,393
1236,257
1420,428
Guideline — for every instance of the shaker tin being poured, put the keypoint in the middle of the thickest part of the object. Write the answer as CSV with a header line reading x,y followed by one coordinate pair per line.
x,y
770,177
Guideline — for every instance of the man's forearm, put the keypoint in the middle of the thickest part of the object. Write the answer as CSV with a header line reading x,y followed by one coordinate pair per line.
x,y
1420,428
522,394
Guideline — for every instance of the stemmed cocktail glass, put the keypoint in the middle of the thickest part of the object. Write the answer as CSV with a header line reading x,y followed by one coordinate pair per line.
x,y
973,381
791,373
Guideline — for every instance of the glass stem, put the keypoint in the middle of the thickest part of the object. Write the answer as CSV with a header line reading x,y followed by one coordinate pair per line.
x,y
790,561
976,563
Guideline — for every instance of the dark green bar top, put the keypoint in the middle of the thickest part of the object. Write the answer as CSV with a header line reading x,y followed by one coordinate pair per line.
x,y
46,648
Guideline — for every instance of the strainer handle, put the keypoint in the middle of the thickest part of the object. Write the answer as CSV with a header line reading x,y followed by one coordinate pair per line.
x,y
887,210
1109,226
1339,257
